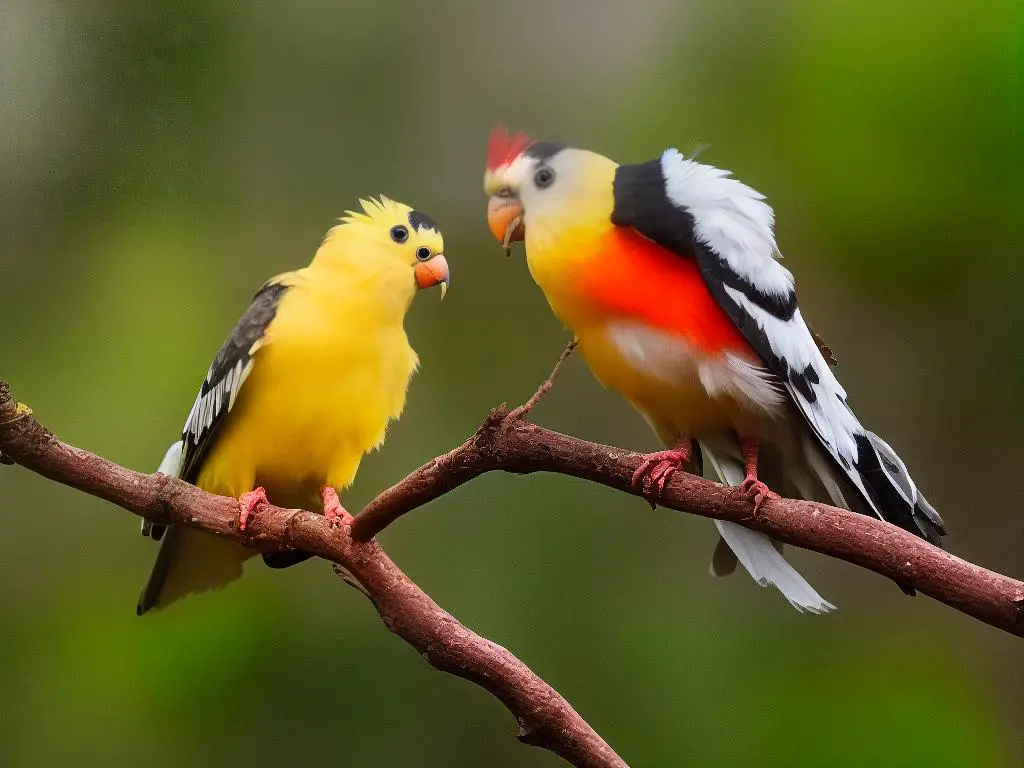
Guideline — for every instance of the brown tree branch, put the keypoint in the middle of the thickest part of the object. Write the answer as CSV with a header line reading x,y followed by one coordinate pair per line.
x,y
517,446
508,442
514,445
545,718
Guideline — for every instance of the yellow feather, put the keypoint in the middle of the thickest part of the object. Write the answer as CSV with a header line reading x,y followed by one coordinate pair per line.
x,y
330,372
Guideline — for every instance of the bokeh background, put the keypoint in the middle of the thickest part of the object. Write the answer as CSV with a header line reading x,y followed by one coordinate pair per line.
x,y
159,160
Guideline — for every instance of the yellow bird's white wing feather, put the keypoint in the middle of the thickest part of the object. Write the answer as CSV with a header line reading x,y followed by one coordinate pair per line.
x,y
224,380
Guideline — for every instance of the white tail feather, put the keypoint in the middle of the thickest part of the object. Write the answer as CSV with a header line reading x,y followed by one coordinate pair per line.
x,y
755,550
170,465
821,468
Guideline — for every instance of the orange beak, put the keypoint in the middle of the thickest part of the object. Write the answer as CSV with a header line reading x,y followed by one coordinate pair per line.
x,y
433,272
505,218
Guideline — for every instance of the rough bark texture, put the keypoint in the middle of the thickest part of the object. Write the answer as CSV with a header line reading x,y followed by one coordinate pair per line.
x,y
508,442
513,445
545,718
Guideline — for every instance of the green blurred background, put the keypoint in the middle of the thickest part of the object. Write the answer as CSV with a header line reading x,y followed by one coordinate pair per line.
x,y
159,160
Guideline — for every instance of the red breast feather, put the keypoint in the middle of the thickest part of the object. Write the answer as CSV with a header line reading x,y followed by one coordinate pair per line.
x,y
634,278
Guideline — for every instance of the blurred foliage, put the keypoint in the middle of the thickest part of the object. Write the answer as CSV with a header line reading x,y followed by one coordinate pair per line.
x,y
159,160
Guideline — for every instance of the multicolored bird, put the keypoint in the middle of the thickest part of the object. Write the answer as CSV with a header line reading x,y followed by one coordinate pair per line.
x,y
667,272
304,386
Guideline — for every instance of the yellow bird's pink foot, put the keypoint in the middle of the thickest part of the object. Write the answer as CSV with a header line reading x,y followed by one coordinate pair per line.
x,y
658,467
248,503
333,511
755,489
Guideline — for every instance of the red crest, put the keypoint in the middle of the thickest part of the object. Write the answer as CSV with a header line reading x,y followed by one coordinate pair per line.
x,y
504,148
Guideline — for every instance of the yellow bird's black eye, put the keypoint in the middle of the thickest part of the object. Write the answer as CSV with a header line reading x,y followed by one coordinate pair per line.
x,y
423,253
399,234
544,177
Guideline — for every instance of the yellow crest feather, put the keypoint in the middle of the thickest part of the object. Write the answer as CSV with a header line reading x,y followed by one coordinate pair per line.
x,y
375,208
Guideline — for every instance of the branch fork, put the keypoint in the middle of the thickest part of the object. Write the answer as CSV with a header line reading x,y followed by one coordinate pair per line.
x,y
506,441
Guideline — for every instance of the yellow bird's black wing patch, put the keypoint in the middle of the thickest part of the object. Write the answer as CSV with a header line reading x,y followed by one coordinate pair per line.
x,y
224,380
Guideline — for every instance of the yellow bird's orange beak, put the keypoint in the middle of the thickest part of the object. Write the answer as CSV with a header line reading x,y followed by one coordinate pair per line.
x,y
505,218
433,272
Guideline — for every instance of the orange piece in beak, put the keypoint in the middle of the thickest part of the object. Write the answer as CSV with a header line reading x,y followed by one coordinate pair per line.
x,y
505,218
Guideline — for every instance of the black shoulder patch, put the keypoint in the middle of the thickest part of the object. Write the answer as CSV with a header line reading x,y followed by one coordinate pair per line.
x,y
544,150
225,378
640,202
420,220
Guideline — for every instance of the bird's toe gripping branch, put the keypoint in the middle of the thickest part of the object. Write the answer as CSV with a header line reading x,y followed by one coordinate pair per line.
x,y
755,489
333,511
758,492
248,503
658,467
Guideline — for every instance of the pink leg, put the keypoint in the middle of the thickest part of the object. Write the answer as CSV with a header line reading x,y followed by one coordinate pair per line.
x,y
658,467
752,486
333,511
248,502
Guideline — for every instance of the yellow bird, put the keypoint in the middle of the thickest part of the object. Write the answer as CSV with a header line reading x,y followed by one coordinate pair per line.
x,y
304,386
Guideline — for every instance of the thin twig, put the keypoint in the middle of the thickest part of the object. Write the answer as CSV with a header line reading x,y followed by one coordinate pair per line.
x,y
447,472
524,410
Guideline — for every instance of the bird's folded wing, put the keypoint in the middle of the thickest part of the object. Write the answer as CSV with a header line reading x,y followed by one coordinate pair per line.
x,y
223,382
704,214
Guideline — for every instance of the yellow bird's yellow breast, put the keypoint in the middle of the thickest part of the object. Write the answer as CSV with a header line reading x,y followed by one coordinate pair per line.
x,y
329,375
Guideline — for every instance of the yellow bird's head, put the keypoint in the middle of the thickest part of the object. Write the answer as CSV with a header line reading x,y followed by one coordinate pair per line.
x,y
389,235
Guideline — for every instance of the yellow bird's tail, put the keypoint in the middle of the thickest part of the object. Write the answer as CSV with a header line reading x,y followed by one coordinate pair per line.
x,y
191,561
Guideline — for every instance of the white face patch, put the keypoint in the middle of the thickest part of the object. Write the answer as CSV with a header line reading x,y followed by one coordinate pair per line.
x,y
579,194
